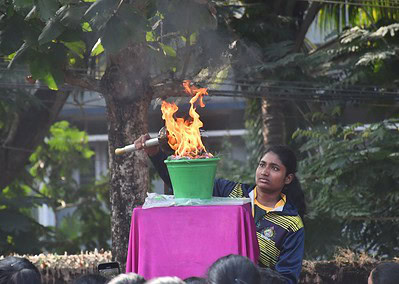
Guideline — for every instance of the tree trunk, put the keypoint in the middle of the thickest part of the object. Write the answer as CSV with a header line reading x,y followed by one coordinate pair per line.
x,y
31,126
274,125
128,98
129,172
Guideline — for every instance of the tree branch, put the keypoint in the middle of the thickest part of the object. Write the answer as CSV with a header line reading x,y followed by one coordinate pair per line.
x,y
13,129
310,16
187,56
168,89
33,126
83,81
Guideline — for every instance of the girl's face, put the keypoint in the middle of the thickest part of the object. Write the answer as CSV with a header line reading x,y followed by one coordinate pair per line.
x,y
270,175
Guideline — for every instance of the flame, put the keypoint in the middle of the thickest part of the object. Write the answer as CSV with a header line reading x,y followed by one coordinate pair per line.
x,y
184,135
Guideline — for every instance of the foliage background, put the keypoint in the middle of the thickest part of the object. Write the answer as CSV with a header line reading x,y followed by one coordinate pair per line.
x,y
351,190
49,180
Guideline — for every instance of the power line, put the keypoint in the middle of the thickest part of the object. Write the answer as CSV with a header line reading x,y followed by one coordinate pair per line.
x,y
287,86
259,84
241,81
349,3
288,93
17,148
353,4
278,89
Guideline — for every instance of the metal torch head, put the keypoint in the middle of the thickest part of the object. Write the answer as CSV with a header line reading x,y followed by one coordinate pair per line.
x,y
163,141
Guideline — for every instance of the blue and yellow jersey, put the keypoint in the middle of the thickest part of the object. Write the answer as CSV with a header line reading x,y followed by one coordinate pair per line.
x,y
279,230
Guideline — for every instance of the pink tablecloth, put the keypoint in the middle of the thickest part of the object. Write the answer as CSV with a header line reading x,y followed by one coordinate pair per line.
x,y
185,241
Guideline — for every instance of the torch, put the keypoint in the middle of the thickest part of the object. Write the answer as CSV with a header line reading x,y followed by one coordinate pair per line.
x,y
161,139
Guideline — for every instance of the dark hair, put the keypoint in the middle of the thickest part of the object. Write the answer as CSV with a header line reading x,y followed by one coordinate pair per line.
x,y
385,273
166,280
90,279
293,190
128,278
233,269
270,276
195,280
18,270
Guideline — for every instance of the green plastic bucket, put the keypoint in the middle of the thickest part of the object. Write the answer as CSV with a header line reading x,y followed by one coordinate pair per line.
x,y
192,178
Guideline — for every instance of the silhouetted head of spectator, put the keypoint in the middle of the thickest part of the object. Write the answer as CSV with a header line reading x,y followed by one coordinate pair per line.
x,y
165,280
233,269
18,270
128,278
195,280
385,273
90,279
270,276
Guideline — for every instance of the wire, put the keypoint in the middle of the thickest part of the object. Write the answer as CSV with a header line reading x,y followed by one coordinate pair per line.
x,y
237,81
341,2
278,89
289,93
328,2
353,4
319,89
17,148
259,84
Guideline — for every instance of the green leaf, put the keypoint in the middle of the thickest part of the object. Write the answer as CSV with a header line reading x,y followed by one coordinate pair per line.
x,y
338,163
50,81
21,4
47,9
32,14
71,35
150,37
72,16
220,76
51,31
18,54
115,41
193,38
125,22
86,27
11,37
100,12
97,48
78,47
168,50
133,18
41,68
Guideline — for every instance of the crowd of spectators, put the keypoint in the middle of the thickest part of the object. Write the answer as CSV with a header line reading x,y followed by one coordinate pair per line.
x,y
230,269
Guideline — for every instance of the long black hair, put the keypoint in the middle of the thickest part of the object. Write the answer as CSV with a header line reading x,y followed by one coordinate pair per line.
x,y
18,270
233,269
385,273
293,190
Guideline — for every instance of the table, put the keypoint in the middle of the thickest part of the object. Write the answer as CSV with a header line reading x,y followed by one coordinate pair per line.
x,y
184,241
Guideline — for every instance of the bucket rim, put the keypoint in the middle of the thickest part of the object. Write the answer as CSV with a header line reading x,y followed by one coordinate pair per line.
x,y
189,161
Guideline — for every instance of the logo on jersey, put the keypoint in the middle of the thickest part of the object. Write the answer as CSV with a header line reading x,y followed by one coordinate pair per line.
x,y
269,233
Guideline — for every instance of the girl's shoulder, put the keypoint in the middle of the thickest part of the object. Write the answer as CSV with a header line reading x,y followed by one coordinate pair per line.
x,y
228,188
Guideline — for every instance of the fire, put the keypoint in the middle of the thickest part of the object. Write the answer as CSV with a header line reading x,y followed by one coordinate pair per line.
x,y
184,135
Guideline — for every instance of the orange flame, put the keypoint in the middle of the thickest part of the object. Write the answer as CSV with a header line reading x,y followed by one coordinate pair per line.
x,y
184,135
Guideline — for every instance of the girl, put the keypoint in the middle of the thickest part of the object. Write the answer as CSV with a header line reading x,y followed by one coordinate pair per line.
x,y
278,206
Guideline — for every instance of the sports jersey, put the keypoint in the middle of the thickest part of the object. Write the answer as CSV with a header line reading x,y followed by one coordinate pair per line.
x,y
279,230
